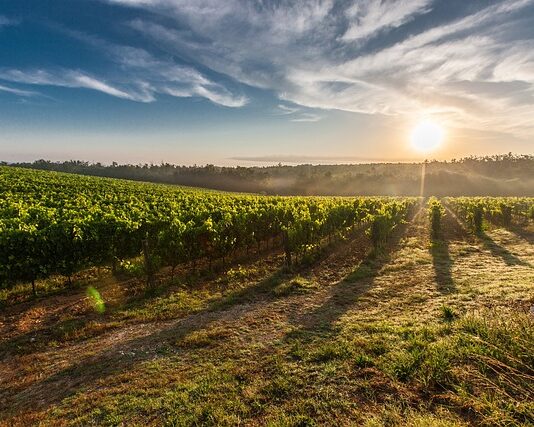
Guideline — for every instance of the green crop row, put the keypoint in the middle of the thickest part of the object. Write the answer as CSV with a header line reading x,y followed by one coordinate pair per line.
x,y
500,210
53,223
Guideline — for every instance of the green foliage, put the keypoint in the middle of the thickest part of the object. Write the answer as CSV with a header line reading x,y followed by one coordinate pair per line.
x,y
477,219
506,214
131,268
385,218
506,174
499,210
53,223
435,213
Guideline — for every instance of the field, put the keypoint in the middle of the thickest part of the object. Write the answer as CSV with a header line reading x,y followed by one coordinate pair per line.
x,y
127,303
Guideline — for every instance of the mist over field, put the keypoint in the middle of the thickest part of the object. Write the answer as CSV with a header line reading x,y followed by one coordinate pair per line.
x,y
505,175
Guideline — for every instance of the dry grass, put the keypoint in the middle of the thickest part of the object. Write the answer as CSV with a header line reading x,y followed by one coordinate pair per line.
x,y
421,335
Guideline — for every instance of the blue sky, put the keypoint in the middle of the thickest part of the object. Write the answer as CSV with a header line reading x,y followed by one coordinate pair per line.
x,y
238,81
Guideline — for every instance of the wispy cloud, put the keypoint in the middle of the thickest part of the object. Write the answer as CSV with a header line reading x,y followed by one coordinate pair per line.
x,y
19,92
142,76
5,21
369,17
473,66
307,117
156,78
286,109
164,76
316,54
67,78
296,114
80,80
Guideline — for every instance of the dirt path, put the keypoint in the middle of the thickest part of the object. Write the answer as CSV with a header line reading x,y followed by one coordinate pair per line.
x,y
41,378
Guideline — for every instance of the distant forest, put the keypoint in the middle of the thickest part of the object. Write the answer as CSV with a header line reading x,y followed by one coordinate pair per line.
x,y
500,175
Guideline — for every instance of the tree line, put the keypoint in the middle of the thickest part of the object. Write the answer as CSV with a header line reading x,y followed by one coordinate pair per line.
x,y
499,175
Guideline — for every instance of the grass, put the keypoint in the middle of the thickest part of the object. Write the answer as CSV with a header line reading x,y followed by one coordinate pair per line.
x,y
473,366
22,292
204,338
296,285
448,313
351,339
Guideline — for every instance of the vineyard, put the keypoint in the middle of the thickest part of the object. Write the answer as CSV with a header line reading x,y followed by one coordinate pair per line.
x,y
502,211
178,306
60,224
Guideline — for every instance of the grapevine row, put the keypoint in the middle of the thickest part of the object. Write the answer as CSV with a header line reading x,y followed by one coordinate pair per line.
x,y
435,214
52,223
499,210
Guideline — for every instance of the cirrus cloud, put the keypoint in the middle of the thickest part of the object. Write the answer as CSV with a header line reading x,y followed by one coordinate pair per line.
x,y
141,78
318,54
469,63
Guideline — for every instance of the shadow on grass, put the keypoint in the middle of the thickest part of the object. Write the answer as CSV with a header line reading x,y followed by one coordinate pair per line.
x,y
442,262
120,356
124,355
39,339
500,251
452,230
523,233
346,293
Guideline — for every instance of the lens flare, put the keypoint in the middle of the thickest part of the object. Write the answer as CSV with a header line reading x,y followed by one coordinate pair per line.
x,y
96,299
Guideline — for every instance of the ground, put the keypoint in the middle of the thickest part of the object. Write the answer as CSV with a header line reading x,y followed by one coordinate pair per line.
x,y
414,335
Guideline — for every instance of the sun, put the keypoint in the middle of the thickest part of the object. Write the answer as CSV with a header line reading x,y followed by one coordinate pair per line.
x,y
427,136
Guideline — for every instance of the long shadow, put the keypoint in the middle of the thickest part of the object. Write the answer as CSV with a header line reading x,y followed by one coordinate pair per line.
x,y
346,293
496,249
500,251
442,262
118,357
451,229
523,233
87,370
37,339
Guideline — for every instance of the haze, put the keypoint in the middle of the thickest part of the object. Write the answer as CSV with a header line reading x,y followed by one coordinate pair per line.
x,y
250,82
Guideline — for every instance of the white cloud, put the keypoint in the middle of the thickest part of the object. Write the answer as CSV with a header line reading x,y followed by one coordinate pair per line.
x,y
216,94
219,95
19,92
286,109
284,18
296,114
369,17
316,54
307,117
161,76
145,77
88,82
68,78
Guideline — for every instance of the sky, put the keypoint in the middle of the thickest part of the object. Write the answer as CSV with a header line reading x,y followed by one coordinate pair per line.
x,y
263,81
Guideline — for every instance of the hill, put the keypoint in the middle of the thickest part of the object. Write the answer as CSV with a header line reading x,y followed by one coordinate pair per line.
x,y
126,303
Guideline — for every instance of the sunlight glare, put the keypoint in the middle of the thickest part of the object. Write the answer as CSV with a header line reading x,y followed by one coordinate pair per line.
x,y
427,136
